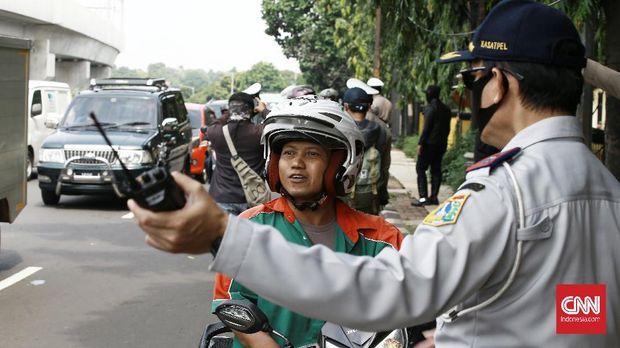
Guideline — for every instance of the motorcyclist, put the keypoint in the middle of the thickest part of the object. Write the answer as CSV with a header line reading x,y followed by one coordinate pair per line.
x,y
313,151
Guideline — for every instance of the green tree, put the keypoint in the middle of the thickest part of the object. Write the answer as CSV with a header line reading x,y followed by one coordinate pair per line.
x,y
272,79
127,72
306,31
156,70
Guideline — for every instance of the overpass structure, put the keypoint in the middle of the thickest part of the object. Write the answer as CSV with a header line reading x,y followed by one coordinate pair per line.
x,y
73,40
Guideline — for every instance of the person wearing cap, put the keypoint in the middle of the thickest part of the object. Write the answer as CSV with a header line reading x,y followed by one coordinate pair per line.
x,y
530,232
225,186
260,108
304,150
357,103
381,106
432,146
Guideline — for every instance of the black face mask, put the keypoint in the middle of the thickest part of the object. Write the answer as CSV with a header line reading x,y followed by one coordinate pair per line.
x,y
481,116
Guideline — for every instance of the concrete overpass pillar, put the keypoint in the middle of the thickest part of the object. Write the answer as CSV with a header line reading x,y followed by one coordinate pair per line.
x,y
74,72
42,62
100,72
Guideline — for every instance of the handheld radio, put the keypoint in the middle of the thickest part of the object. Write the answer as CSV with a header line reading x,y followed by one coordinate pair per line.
x,y
154,189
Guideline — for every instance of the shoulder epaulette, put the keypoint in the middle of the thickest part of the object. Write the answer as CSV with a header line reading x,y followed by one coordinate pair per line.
x,y
495,160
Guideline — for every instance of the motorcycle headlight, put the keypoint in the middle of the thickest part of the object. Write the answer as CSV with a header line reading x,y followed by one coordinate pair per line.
x,y
52,155
135,156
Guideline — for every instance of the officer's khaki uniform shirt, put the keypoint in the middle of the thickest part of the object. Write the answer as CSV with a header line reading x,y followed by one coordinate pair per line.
x,y
381,108
571,235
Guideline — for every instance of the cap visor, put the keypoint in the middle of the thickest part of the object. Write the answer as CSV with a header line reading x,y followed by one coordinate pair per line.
x,y
456,56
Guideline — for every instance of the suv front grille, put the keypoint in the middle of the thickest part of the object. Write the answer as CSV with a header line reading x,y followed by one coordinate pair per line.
x,y
88,154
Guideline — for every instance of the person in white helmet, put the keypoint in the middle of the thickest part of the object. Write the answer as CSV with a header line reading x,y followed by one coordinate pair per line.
x,y
381,106
313,151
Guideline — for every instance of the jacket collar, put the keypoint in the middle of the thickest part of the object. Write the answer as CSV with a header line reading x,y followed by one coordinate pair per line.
x,y
346,217
550,128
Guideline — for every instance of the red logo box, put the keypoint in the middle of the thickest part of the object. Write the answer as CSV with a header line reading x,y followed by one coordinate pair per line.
x,y
580,308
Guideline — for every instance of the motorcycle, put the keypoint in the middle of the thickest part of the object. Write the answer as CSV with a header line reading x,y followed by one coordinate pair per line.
x,y
244,316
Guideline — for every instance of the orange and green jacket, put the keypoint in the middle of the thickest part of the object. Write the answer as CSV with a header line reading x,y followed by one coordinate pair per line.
x,y
357,233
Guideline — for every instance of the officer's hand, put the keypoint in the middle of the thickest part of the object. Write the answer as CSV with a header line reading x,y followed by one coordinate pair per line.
x,y
191,229
419,150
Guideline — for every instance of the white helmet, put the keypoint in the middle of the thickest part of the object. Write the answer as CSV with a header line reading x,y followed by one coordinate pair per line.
x,y
374,82
320,120
353,82
254,89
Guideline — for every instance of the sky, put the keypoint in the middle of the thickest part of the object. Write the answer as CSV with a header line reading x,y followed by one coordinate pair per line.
x,y
198,34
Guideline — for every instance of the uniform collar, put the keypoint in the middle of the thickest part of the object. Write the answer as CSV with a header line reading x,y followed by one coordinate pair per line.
x,y
549,128
346,217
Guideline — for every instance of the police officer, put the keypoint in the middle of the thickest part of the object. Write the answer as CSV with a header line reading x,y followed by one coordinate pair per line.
x,y
496,256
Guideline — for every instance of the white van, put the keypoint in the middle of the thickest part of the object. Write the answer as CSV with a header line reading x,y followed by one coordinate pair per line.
x,y
47,103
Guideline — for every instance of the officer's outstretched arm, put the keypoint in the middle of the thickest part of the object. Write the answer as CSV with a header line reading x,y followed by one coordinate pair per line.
x,y
460,247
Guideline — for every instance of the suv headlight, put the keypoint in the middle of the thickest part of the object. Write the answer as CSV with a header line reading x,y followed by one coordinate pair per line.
x,y
52,155
135,156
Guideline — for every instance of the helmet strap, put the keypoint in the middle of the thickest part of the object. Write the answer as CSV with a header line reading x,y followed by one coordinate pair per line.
x,y
312,205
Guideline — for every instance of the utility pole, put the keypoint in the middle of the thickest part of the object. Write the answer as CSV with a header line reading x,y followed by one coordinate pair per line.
x,y
376,61
232,82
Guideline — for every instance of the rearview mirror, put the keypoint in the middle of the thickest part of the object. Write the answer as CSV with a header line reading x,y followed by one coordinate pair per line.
x,y
51,122
169,124
246,317
243,316
36,109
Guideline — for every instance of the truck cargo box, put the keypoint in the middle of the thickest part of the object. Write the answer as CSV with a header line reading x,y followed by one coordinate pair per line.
x,y
14,63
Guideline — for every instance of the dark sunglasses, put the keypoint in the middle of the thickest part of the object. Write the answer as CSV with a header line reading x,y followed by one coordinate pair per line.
x,y
469,75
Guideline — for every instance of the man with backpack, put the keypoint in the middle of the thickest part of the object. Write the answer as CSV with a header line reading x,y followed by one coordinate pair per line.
x,y
226,187
370,190
308,141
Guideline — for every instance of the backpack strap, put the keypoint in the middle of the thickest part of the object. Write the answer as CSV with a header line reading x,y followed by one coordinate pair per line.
x,y
229,142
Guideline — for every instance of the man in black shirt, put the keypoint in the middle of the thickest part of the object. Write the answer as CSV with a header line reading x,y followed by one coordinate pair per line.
x,y
225,186
432,146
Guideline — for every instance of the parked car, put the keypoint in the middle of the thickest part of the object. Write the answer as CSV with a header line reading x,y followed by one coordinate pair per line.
x,y
47,103
199,120
217,108
146,122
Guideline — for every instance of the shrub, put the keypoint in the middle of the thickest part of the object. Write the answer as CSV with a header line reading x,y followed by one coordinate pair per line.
x,y
409,145
454,163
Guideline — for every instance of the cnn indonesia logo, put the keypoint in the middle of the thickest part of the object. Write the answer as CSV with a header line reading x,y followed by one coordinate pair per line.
x,y
580,308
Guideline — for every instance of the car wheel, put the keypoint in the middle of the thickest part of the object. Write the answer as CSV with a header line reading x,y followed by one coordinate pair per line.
x,y
49,197
29,161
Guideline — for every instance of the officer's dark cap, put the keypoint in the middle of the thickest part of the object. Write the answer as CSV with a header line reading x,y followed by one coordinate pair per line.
x,y
524,31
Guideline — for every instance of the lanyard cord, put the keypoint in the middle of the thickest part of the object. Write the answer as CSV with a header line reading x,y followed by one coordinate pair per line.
x,y
454,313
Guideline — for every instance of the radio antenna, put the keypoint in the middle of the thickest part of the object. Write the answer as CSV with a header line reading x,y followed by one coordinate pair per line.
x,y
132,181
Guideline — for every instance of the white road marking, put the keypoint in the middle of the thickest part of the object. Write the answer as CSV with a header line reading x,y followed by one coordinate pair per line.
x,y
26,272
127,216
